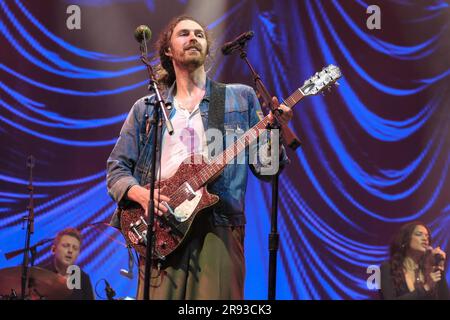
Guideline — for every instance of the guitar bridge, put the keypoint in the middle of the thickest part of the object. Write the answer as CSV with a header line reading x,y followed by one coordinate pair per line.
x,y
137,234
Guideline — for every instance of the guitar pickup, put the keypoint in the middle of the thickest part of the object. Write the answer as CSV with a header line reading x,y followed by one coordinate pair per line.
x,y
190,192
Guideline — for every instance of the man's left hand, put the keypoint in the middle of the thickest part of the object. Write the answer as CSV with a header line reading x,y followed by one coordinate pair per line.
x,y
286,112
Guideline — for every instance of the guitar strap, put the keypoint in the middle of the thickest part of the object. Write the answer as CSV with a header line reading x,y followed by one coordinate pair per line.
x,y
216,119
216,111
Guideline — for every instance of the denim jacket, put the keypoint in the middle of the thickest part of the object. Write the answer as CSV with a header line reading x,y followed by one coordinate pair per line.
x,y
129,162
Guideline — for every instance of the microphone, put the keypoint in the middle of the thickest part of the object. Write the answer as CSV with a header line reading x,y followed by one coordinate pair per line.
x,y
110,293
142,33
128,273
240,41
437,256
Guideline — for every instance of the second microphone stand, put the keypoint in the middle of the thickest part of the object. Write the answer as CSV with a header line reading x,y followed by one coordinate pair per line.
x,y
29,232
274,236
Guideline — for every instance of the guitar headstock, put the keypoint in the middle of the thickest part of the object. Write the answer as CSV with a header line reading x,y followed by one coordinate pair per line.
x,y
321,80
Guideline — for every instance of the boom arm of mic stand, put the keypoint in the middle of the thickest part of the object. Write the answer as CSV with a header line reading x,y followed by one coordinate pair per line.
x,y
12,254
289,137
154,87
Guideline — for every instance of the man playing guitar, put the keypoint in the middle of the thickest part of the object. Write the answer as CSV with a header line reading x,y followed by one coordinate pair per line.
x,y
209,261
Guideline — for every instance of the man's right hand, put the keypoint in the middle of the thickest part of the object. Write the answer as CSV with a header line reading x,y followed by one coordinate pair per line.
x,y
141,195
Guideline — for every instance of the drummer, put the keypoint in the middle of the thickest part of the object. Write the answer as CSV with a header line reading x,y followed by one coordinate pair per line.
x,y
65,250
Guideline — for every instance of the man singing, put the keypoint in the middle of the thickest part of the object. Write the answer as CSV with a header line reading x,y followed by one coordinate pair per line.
x,y
210,263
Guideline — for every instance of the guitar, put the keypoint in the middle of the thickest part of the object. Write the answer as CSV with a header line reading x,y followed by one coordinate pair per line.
x,y
187,187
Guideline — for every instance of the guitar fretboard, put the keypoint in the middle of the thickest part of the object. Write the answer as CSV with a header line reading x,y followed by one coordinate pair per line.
x,y
294,98
218,164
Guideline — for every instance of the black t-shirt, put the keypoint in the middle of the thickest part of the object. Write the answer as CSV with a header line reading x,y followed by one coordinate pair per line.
x,y
388,292
84,293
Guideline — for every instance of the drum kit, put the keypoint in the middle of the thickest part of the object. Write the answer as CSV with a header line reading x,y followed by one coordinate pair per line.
x,y
42,284
27,282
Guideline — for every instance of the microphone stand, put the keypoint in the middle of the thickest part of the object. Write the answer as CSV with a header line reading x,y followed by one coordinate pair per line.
x,y
262,91
12,254
30,229
159,106
32,249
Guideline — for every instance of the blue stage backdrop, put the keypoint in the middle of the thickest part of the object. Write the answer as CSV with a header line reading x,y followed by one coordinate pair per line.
x,y
375,150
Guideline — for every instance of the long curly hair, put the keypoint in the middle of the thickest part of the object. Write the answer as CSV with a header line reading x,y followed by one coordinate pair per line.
x,y
398,249
165,73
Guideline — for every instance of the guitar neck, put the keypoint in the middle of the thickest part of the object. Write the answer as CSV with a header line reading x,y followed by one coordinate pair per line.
x,y
218,164
294,98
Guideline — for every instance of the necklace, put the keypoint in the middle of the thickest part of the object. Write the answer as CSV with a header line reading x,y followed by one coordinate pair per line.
x,y
180,106
417,275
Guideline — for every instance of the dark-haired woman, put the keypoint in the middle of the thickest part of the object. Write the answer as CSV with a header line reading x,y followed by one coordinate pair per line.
x,y
415,271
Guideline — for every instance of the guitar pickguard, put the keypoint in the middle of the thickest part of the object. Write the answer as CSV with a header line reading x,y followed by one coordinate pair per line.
x,y
184,211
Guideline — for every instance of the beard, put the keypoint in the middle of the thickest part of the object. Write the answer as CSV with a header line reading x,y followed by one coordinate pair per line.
x,y
194,62
191,60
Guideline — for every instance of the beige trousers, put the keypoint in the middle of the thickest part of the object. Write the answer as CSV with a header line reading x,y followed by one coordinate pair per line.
x,y
210,264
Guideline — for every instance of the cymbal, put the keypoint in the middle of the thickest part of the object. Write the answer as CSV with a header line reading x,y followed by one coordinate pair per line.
x,y
43,283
